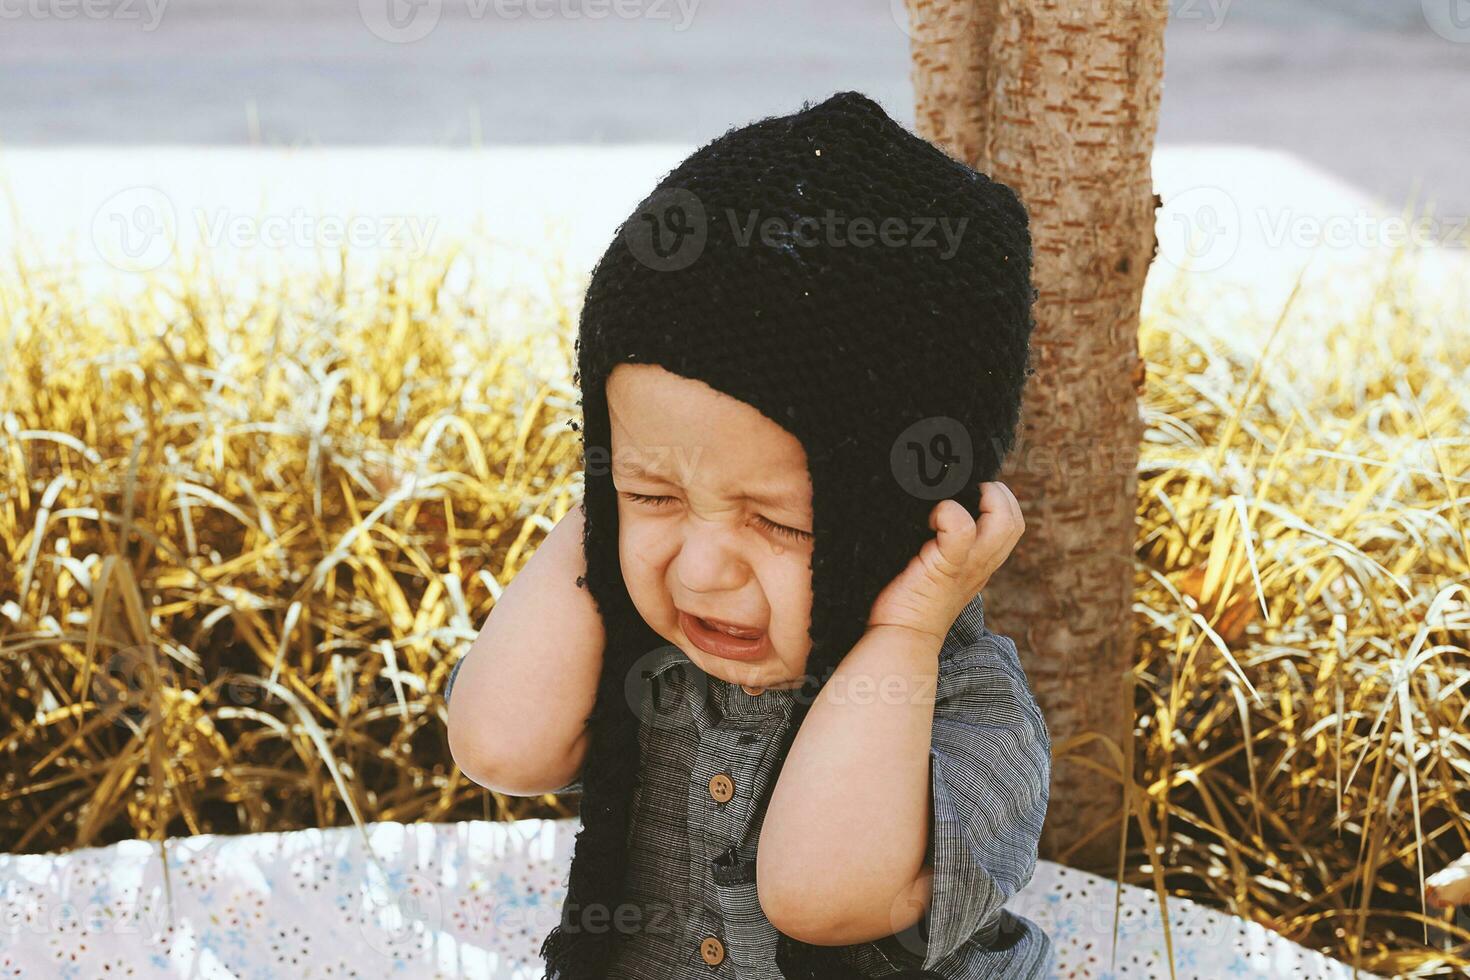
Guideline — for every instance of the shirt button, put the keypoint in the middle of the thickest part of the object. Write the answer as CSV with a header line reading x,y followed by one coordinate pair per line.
x,y
752,690
721,788
712,950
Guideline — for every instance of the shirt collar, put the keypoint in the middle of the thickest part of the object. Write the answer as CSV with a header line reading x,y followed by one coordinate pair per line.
x,y
664,658
732,700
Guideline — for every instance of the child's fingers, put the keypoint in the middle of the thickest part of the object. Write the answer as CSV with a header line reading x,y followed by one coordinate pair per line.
x,y
1000,522
956,531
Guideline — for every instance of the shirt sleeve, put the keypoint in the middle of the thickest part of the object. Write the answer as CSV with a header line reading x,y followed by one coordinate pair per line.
x,y
990,774
575,786
449,684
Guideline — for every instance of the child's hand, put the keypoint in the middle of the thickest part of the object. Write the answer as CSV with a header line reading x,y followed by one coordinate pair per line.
x,y
952,568
1449,886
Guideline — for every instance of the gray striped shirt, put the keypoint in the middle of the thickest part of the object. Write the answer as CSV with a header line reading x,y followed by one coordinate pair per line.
x,y
709,752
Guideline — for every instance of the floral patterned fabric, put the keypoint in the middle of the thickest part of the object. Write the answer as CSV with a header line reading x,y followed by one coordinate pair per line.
x,y
470,899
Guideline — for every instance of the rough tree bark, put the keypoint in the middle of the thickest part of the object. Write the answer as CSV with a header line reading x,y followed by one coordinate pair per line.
x,y
1060,100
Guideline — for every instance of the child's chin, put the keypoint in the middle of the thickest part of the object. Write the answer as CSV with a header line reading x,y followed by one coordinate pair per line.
x,y
732,671
768,672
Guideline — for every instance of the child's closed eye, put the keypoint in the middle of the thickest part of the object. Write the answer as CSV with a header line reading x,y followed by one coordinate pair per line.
x,y
645,498
660,500
783,530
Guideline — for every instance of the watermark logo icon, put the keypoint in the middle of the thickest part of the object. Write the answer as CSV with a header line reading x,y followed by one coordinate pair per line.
x,y
135,229
669,231
931,28
1450,19
1200,229
400,21
651,699
933,458
403,910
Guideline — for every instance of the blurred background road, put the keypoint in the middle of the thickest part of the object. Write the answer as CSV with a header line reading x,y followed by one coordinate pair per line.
x,y
1375,92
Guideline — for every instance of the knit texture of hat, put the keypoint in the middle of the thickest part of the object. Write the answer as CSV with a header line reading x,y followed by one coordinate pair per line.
x,y
869,294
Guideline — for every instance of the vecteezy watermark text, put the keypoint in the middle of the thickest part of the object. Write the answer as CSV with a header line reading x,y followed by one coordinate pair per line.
x,y
138,229
149,12
302,229
838,231
670,230
406,21
1201,229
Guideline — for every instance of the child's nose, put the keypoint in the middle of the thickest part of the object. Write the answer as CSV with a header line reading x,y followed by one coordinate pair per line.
x,y
709,558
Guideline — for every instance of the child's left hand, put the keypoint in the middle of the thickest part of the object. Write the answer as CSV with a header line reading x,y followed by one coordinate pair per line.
x,y
953,567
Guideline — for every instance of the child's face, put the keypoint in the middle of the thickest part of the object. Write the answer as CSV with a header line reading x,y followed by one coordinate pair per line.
x,y
710,492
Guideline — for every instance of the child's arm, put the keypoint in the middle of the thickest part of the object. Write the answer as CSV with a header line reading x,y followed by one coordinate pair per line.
x,y
900,758
519,705
969,804
842,848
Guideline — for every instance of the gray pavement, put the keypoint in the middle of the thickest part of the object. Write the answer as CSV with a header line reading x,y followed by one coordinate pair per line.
x,y
1374,92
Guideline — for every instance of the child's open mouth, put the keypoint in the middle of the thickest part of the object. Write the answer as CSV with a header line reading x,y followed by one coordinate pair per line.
x,y
730,642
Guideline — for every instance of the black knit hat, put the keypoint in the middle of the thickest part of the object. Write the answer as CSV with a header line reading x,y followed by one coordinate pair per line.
x,y
869,294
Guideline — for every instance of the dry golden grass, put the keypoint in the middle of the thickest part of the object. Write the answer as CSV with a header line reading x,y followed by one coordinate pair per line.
x,y
246,537
1304,621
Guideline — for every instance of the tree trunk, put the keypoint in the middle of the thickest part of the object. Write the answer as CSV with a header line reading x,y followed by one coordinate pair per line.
x,y
1060,101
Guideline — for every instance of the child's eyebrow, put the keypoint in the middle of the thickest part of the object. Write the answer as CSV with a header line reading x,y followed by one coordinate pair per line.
x,y
631,467
775,498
